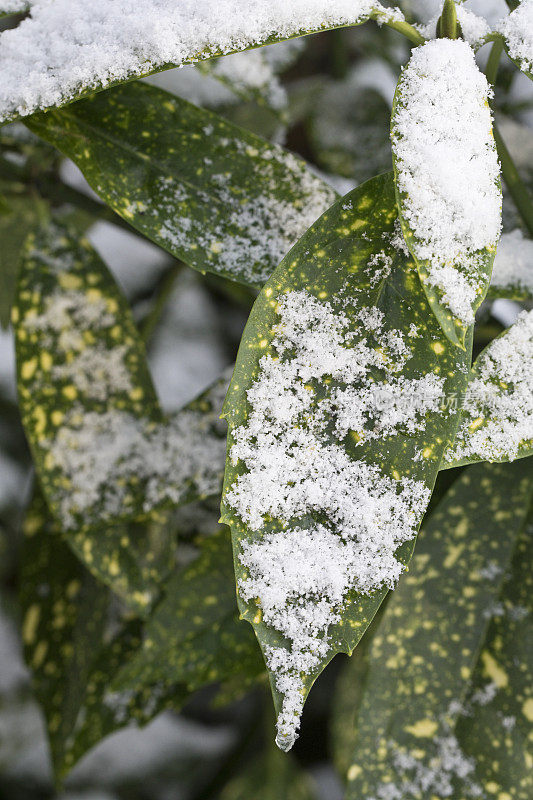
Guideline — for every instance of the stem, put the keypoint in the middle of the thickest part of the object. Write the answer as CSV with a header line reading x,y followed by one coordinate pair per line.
x,y
447,24
149,323
514,183
493,62
408,30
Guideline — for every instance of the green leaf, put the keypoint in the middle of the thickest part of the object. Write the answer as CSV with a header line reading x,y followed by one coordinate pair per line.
x,y
110,49
347,271
83,381
496,734
497,411
102,449
516,32
420,664
17,220
194,636
218,197
9,7
512,276
455,277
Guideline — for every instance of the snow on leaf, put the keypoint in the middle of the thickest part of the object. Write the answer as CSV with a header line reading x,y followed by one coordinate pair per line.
x,y
512,274
338,421
447,178
517,30
497,413
67,48
421,686
220,198
103,451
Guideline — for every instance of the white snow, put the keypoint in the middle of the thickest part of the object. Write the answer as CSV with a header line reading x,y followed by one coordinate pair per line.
x,y
513,265
66,46
517,29
498,409
448,168
312,396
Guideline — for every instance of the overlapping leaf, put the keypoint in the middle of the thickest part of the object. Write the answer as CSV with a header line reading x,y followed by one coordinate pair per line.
x,y
83,380
109,47
425,686
218,197
348,259
497,411
103,452
194,636
270,777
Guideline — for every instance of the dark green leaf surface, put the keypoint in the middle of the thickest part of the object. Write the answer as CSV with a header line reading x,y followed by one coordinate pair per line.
x,y
478,268
420,665
335,261
194,636
497,734
212,194
17,220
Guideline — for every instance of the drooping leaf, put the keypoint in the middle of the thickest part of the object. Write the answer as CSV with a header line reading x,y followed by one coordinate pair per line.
x,y
102,449
447,179
103,453
336,409
420,664
83,380
18,218
517,32
194,636
497,411
37,60
218,197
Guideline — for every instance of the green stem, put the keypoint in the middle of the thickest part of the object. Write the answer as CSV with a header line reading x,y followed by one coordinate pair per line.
x,y
149,323
447,24
407,30
493,62
514,183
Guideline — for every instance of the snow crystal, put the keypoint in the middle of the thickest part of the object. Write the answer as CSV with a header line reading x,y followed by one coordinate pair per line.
x,y
513,265
308,400
518,31
497,414
14,6
447,168
65,46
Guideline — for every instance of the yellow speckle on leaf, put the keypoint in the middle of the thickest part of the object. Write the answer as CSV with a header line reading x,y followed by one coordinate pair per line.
x,y
527,709
31,621
69,281
28,368
453,554
438,348
423,728
46,361
353,772
494,670
70,392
